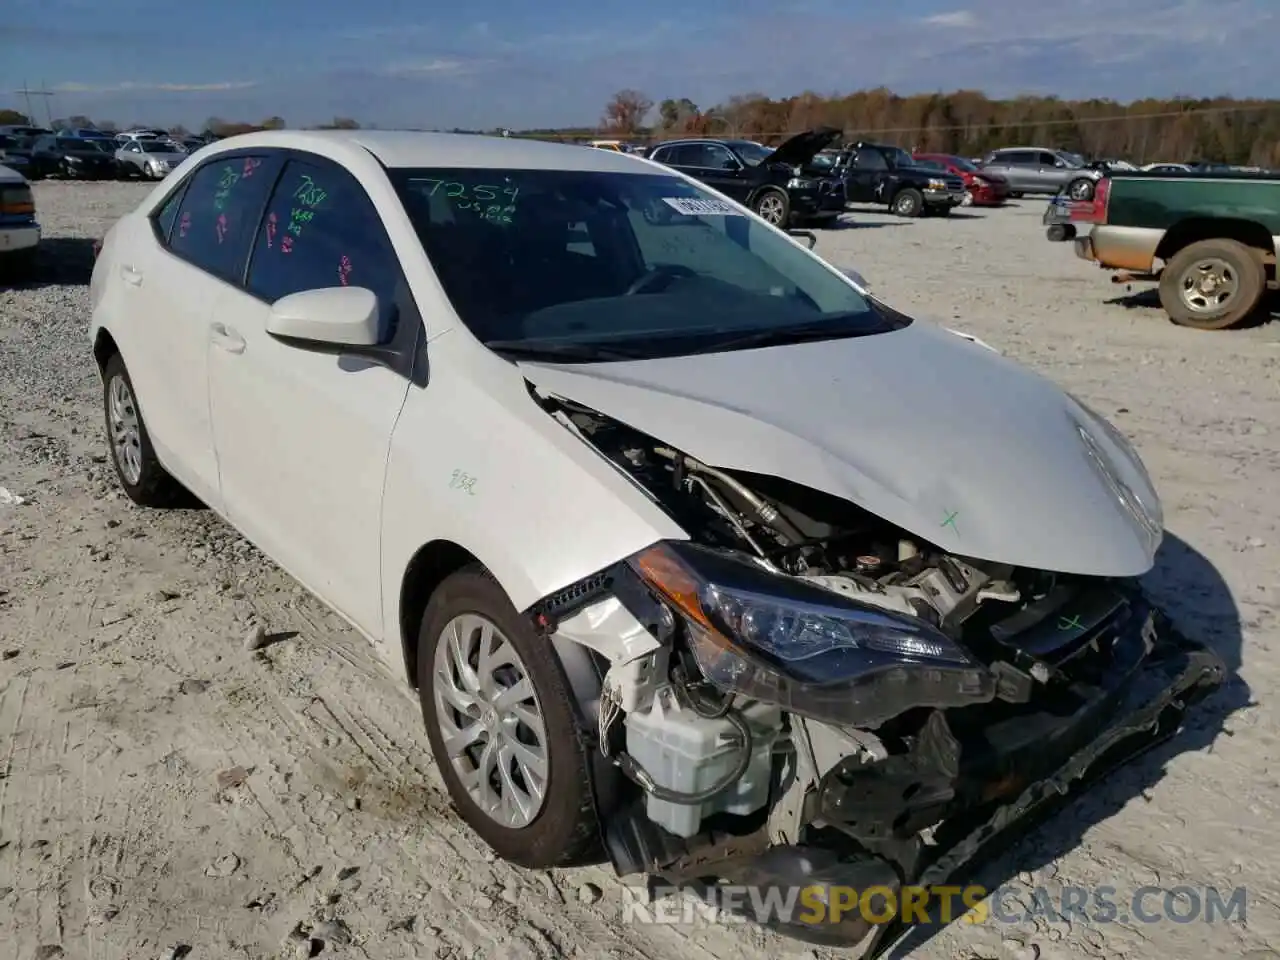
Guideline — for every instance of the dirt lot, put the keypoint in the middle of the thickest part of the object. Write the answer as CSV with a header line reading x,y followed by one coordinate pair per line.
x,y
162,789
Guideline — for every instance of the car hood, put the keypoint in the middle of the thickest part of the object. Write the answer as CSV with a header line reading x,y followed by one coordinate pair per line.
x,y
803,147
927,430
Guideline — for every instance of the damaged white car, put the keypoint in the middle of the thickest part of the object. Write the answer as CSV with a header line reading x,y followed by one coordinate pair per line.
x,y
697,552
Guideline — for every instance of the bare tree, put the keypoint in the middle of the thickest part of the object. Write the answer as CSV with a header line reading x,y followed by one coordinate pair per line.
x,y
625,113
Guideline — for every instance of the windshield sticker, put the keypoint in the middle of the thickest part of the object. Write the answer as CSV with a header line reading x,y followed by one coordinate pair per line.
x,y
692,207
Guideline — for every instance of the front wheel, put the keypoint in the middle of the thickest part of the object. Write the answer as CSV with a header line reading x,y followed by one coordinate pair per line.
x,y
773,206
907,203
1213,284
1081,189
502,726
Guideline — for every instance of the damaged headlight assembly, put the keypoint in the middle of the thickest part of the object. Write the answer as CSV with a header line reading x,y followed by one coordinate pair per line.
x,y
810,651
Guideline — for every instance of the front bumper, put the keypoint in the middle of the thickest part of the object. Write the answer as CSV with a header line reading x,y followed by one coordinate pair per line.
x,y
989,196
977,796
938,198
14,239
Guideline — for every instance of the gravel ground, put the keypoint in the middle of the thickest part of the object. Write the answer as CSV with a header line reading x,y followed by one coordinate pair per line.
x,y
163,789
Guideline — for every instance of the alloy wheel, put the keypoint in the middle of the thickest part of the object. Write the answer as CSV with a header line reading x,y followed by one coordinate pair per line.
x,y
126,432
770,208
490,720
1208,285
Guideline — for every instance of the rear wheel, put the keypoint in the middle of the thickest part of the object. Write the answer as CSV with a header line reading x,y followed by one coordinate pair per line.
x,y
502,726
144,480
1213,284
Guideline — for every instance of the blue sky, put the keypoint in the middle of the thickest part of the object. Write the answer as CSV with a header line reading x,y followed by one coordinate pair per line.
x,y
521,63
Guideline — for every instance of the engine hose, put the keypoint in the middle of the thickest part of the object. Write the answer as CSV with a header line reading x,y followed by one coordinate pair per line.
x,y
641,777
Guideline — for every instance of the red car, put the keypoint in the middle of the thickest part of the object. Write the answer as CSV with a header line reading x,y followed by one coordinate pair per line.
x,y
985,189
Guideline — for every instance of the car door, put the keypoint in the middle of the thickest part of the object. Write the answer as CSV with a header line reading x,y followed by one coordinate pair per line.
x,y
169,275
868,171
685,157
302,434
1023,170
1053,171
132,155
723,171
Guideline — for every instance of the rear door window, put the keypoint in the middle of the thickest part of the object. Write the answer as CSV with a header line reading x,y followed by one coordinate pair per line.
x,y
219,214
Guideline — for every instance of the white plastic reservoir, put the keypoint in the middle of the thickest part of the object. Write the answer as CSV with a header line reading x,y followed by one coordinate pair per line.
x,y
683,751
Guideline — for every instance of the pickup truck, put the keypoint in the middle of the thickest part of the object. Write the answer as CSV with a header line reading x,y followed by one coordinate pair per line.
x,y
878,173
1209,241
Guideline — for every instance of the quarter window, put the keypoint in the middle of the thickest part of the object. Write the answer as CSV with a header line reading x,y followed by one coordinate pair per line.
x,y
219,213
322,230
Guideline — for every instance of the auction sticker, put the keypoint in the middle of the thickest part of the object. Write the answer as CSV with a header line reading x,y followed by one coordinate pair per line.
x,y
692,207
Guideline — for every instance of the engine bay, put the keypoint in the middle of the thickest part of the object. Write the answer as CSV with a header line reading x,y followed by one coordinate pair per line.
x,y
714,741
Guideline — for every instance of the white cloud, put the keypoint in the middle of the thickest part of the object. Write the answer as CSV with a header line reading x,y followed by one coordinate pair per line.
x,y
956,18
437,67
133,86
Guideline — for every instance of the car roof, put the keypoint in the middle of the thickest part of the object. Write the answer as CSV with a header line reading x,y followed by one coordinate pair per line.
x,y
410,148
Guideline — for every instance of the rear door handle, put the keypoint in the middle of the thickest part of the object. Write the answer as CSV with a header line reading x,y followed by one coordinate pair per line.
x,y
226,338
131,275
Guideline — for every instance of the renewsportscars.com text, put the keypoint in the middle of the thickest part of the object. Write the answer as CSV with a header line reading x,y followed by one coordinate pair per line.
x,y
941,904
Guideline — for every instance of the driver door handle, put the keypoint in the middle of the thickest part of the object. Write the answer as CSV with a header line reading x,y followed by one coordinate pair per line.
x,y
223,336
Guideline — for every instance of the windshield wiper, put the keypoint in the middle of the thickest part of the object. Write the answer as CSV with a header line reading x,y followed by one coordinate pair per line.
x,y
558,350
830,329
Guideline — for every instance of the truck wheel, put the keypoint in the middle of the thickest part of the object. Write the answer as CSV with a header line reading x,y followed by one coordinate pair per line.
x,y
502,726
1212,285
1081,189
773,206
907,203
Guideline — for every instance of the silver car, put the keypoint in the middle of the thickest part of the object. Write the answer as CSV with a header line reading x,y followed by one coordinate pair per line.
x,y
153,159
1037,170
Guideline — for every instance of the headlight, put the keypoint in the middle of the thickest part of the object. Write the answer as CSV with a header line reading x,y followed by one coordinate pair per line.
x,y
806,649
801,183
937,184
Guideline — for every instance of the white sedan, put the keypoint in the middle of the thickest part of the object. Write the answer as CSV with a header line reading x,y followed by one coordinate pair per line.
x,y
672,525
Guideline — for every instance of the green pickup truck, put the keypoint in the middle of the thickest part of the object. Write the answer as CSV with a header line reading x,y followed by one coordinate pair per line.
x,y
1210,241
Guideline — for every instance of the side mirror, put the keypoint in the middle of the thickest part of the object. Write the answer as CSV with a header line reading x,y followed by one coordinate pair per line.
x,y
856,277
810,239
338,316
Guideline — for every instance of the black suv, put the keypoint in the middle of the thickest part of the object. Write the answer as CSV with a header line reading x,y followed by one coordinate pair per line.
x,y
877,173
773,183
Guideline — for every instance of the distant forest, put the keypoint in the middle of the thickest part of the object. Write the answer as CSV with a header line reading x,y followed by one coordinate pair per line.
x,y
965,122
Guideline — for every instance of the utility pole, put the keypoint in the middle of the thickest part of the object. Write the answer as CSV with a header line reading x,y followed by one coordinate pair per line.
x,y
27,93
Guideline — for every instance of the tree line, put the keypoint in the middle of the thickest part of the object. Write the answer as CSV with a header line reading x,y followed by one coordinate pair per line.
x,y
968,123
964,122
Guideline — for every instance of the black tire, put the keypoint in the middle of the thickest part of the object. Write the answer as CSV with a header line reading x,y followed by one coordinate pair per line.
x,y
1243,264
773,206
154,486
908,202
1080,189
564,831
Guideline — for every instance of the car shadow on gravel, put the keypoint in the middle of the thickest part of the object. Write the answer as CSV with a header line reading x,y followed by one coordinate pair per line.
x,y
59,262
1187,586
1149,299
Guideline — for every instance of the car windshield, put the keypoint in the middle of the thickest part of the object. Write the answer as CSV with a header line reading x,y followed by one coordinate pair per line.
x,y
752,153
929,164
960,163
157,146
588,265
1073,159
